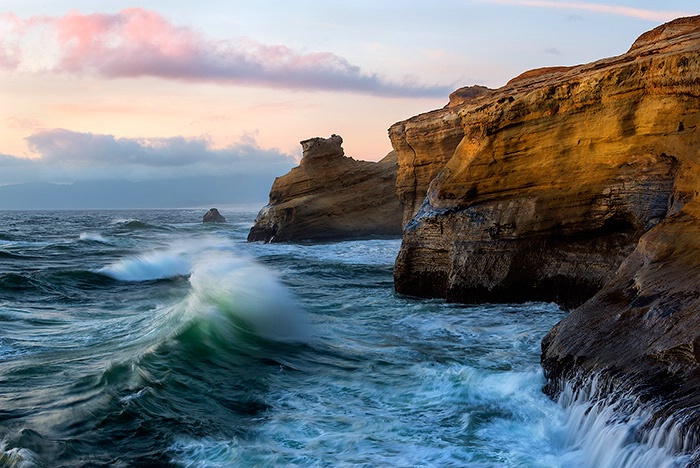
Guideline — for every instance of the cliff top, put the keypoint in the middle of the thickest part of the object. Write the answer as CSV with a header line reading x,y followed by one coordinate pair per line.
x,y
316,149
671,32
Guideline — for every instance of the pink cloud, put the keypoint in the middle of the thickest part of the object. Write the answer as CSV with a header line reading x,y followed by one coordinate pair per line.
x,y
9,50
618,10
137,42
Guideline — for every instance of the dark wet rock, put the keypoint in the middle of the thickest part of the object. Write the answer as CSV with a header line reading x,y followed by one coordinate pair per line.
x,y
213,216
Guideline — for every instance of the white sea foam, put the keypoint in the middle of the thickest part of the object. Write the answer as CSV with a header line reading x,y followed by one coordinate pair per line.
x,y
173,260
450,415
436,418
150,266
604,433
230,292
17,457
357,252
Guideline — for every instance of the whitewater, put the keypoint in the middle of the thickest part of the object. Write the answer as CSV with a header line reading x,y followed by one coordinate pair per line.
x,y
146,338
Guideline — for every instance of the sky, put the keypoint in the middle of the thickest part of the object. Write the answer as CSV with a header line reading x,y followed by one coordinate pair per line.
x,y
164,90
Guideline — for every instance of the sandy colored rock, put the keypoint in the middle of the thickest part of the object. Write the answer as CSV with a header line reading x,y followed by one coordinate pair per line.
x,y
331,197
644,322
542,188
577,185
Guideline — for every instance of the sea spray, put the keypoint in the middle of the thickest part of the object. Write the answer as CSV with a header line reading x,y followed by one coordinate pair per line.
x,y
618,430
150,266
230,292
93,237
234,294
170,261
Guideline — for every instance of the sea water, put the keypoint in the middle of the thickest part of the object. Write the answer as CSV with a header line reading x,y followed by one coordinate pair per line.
x,y
147,338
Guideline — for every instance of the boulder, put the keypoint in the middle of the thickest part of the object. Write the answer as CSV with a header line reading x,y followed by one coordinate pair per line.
x,y
213,216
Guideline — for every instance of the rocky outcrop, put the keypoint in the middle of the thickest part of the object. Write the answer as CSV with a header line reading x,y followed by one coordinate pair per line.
x,y
543,187
576,185
330,197
644,323
425,143
213,216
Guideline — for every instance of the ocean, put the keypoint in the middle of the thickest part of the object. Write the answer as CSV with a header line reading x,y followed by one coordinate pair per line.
x,y
146,338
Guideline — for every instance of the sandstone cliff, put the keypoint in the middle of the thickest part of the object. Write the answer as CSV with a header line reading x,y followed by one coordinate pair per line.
x,y
576,185
329,197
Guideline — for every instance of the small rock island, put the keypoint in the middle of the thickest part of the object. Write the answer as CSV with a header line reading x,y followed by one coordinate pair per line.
x,y
213,216
330,196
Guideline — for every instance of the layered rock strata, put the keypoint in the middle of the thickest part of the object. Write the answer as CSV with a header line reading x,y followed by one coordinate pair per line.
x,y
330,197
576,185
543,187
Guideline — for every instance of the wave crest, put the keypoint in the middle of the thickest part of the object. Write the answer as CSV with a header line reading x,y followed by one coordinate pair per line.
x,y
150,266
236,296
93,237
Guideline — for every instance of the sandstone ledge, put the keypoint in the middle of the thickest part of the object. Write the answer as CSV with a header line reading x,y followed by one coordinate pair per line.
x,y
331,197
576,185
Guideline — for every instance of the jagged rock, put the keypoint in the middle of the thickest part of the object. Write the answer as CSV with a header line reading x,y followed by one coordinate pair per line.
x,y
331,197
577,185
213,216
645,320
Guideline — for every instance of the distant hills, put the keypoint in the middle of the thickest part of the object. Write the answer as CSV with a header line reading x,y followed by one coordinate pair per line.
x,y
120,194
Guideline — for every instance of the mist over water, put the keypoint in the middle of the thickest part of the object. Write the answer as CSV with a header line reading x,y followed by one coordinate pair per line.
x,y
150,339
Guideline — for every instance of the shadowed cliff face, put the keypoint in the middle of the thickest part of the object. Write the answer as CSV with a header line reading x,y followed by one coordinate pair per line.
x,y
331,197
576,185
646,318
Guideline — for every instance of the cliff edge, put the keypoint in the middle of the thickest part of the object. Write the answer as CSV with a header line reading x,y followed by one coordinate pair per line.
x,y
577,185
331,197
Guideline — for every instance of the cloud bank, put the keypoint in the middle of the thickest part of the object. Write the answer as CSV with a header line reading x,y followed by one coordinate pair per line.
x,y
135,43
661,16
66,156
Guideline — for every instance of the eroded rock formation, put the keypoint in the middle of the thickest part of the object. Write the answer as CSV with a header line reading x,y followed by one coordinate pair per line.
x,y
539,190
330,196
577,185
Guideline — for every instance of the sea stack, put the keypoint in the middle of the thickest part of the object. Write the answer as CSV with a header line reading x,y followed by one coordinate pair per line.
x,y
330,196
213,216
577,185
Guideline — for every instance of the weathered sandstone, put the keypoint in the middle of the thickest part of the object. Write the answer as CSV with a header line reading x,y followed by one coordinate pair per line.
x,y
424,144
329,197
576,185
539,190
